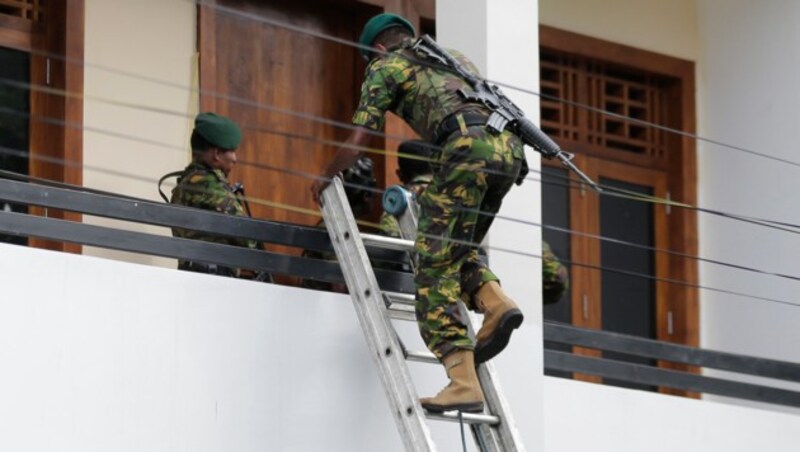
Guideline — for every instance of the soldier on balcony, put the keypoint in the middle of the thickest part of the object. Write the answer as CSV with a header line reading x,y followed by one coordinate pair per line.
x,y
204,185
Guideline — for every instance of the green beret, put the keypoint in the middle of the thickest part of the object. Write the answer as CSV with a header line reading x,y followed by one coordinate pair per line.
x,y
218,130
376,26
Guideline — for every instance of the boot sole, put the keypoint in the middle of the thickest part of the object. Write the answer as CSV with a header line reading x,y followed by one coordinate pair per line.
x,y
473,407
495,344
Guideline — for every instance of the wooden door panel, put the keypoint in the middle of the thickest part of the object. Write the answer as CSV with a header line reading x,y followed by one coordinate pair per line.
x,y
287,89
284,87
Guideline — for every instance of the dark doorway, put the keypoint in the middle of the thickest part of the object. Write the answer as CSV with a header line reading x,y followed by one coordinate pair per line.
x,y
556,224
629,299
14,123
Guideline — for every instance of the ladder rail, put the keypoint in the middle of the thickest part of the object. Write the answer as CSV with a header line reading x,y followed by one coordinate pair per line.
x,y
385,347
494,431
502,436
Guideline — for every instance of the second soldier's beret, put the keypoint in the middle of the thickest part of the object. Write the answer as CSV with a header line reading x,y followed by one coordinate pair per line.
x,y
218,130
378,25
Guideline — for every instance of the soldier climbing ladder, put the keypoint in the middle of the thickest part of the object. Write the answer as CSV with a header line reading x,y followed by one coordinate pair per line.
x,y
494,431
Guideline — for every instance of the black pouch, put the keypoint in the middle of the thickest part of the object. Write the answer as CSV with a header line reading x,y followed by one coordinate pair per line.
x,y
523,171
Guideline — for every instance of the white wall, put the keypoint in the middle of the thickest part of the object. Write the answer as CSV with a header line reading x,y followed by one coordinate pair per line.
x,y
748,88
114,356
589,417
747,72
140,39
502,39
668,27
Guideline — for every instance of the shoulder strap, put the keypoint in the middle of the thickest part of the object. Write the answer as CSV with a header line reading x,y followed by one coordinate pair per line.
x,y
165,177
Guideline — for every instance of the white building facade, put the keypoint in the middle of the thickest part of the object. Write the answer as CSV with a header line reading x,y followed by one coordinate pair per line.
x,y
118,351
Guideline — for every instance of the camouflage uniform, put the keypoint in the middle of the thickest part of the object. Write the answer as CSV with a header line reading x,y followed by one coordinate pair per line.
x,y
476,170
202,187
389,225
359,181
322,255
555,278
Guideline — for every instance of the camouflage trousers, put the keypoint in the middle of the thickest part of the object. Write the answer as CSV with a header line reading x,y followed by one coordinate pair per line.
x,y
555,276
476,171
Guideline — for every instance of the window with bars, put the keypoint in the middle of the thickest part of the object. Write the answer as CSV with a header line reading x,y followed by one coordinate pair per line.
x,y
31,11
620,101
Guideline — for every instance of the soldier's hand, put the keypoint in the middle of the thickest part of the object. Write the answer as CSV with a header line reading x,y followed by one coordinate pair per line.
x,y
317,187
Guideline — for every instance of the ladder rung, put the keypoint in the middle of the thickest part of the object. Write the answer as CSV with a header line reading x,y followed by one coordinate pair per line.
x,y
494,429
402,312
390,243
421,357
469,418
401,298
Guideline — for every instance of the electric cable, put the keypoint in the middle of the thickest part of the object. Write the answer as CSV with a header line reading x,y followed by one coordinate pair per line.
x,y
732,217
350,126
610,190
380,192
56,91
635,196
299,29
672,281
346,125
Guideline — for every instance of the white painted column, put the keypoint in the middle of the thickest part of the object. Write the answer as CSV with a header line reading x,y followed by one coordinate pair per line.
x,y
501,38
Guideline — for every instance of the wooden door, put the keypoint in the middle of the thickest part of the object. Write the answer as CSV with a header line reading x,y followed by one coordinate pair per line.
x,y
609,244
48,38
612,106
292,91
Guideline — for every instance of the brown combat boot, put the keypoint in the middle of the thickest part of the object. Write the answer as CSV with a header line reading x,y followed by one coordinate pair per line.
x,y
464,391
500,318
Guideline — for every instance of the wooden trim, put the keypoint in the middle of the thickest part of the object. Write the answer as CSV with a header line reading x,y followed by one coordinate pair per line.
x,y
585,281
656,180
576,44
681,166
73,83
64,40
426,9
17,23
642,161
16,39
207,50
685,303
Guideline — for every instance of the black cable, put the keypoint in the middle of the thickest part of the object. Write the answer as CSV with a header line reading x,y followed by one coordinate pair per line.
x,y
737,217
282,24
515,252
339,124
572,185
608,191
761,222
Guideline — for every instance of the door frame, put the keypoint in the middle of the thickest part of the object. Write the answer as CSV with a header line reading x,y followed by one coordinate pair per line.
x,y
681,172
56,50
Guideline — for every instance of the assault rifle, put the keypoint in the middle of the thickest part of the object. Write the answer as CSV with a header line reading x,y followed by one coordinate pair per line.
x,y
505,114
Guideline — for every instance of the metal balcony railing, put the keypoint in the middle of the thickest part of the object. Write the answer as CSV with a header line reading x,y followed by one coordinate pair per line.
x,y
76,199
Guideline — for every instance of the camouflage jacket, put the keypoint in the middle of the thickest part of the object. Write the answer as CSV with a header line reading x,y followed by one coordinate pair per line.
x,y
389,225
420,94
555,277
202,187
322,255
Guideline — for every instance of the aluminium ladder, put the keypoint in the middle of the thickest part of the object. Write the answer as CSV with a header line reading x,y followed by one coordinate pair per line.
x,y
494,432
